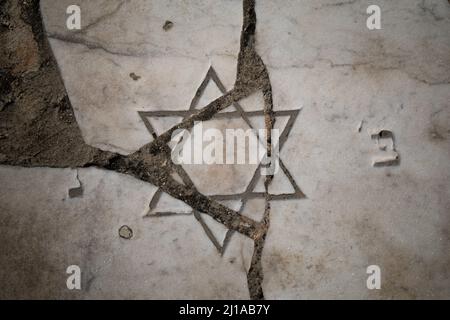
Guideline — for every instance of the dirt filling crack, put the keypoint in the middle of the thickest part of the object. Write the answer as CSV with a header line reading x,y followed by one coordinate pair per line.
x,y
44,120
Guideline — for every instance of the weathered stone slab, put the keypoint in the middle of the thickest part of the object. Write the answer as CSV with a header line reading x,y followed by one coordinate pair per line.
x,y
366,115
123,61
166,258
352,82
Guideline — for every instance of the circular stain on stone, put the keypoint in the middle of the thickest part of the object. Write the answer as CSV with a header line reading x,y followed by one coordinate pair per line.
x,y
125,232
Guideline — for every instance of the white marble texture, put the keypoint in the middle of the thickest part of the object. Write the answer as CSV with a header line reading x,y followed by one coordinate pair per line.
x,y
349,82
321,57
120,37
300,41
167,258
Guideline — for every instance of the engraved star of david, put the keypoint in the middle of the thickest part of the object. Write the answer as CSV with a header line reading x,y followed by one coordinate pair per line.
x,y
249,192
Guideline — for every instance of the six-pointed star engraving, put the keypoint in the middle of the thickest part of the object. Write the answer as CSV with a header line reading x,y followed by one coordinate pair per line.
x,y
249,192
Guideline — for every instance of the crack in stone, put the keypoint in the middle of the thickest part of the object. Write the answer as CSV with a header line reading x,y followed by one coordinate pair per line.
x,y
93,45
77,192
336,4
430,10
102,18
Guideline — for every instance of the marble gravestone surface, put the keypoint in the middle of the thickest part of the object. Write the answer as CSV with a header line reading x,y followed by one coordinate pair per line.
x,y
368,117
